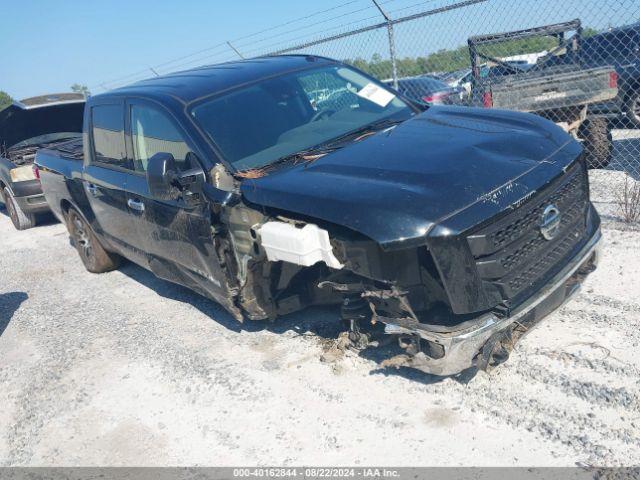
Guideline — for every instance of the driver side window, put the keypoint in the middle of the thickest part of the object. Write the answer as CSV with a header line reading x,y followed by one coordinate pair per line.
x,y
152,132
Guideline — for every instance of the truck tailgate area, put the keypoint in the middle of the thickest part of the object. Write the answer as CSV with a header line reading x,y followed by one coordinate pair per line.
x,y
529,93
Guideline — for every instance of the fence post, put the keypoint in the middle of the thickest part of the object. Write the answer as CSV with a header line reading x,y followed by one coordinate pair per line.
x,y
235,50
392,44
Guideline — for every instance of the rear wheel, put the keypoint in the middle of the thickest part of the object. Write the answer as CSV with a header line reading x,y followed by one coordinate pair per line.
x,y
94,257
20,219
598,142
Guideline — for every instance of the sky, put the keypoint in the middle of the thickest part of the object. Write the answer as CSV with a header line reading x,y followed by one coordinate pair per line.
x,y
53,44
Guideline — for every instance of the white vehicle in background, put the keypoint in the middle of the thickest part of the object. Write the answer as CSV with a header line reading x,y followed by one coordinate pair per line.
x,y
459,78
462,78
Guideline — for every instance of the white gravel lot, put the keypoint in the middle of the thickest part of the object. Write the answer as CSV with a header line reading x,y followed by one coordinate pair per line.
x,y
126,369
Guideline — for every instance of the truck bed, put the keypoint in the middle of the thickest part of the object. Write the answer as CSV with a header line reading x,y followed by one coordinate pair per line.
x,y
549,89
60,167
62,157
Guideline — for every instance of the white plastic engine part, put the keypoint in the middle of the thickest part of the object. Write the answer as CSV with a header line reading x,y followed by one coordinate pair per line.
x,y
302,246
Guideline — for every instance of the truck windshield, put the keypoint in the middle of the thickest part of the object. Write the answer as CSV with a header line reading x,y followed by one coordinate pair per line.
x,y
259,124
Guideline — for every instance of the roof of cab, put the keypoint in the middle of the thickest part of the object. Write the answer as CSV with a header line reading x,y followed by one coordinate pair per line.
x,y
190,85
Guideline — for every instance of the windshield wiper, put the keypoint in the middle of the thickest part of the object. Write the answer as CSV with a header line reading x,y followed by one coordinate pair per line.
x,y
369,128
313,153
307,155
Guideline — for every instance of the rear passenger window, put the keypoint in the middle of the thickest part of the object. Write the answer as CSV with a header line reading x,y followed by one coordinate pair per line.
x,y
108,135
152,132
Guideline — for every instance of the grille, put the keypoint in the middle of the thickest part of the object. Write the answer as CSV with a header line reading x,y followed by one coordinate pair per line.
x,y
575,187
531,273
512,255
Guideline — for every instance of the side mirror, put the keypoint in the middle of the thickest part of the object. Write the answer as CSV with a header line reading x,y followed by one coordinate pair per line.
x,y
161,176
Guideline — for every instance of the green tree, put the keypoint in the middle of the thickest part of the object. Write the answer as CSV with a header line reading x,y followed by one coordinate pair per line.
x,y
5,100
446,60
589,32
78,88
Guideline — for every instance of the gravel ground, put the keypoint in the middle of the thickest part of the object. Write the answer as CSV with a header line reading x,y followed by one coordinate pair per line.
x,y
126,369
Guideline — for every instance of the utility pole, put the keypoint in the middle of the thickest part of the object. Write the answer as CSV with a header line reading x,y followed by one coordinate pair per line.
x,y
392,44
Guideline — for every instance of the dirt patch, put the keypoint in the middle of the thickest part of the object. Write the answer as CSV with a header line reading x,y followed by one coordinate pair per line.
x,y
90,363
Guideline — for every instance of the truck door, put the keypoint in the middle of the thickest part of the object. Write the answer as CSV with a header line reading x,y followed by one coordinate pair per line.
x,y
105,176
177,235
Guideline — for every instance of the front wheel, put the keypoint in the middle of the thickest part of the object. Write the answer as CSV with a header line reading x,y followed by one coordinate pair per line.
x,y
598,143
20,219
94,257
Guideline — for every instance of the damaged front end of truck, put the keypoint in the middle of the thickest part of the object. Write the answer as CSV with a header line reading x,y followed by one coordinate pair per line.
x,y
455,290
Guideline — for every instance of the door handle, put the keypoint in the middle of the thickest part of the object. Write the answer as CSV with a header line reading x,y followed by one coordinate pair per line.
x,y
92,189
135,205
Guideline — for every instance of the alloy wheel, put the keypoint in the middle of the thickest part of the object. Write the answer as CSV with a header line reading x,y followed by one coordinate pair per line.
x,y
82,237
635,109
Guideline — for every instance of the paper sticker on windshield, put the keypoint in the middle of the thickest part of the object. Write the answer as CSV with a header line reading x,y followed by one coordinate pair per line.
x,y
375,94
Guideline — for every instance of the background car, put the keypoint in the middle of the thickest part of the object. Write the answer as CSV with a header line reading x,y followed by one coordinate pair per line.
x,y
25,127
459,78
430,91
462,78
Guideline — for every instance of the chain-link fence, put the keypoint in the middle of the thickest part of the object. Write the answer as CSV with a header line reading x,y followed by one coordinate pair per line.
x,y
576,62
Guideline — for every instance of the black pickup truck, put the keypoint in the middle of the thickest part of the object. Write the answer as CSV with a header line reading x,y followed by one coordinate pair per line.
x,y
25,127
452,229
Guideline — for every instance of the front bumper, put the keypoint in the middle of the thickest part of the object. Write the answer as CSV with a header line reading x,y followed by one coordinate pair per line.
x,y
464,349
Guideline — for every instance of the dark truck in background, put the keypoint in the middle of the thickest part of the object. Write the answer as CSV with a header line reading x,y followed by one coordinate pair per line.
x,y
620,48
452,230
25,127
560,86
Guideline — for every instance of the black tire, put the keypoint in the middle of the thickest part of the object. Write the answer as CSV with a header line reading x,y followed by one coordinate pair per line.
x,y
598,143
20,219
632,110
93,255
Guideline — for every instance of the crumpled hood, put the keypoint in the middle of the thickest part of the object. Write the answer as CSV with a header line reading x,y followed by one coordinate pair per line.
x,y
395,186
19,122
